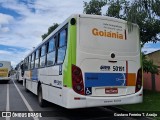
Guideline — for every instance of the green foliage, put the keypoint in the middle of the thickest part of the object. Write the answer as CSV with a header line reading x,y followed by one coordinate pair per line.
x,y
150,103
149,30
114,8
94,7
145,13
50,29
44,36
156,7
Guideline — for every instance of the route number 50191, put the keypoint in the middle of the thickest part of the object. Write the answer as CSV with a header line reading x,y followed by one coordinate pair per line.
x,y
118,68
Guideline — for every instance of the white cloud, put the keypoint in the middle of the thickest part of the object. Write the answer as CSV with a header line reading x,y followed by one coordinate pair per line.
x,y
4,29
3,52
14,56
25,30
151,47
5,19
149,50
31,26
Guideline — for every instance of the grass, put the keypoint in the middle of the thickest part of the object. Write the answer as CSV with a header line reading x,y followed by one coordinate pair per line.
x,y
151,103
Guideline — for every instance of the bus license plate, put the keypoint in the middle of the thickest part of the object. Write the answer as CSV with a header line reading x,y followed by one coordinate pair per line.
x,y
111,90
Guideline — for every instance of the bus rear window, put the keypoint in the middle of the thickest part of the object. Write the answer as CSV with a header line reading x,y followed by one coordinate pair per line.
x,y
105,35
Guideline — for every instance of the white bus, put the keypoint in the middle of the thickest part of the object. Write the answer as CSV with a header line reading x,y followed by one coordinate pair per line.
x,y
19,71
5,67
87,61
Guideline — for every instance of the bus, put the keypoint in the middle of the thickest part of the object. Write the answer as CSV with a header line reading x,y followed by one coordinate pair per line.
x,y
19,72
5,67
87,61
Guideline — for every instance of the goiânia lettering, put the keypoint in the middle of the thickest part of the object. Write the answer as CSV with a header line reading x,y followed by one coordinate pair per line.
x,y
105,33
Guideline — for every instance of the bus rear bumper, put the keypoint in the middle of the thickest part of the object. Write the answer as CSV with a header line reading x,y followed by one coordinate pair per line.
x,y
79,101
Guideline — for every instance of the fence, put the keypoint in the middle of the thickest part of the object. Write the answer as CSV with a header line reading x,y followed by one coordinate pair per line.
x,y
151,81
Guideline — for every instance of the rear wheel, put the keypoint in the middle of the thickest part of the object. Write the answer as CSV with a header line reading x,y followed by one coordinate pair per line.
x,y
18,79
25,85
7,81
41,101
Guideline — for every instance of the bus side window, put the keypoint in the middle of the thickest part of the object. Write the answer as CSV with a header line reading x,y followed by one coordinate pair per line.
x,y
26,64
32,60
62,40
42,56
22,69
51,52
37,59
29,62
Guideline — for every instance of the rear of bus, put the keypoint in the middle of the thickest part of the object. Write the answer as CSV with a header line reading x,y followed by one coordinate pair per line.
x,y
108,69
5,67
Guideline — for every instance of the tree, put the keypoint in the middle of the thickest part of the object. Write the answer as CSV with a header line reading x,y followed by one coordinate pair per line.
x,y
50,29
145,13
114,8
94,7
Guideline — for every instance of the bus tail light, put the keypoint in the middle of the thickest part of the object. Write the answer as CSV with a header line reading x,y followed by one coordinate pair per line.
x,y
139,80
77,80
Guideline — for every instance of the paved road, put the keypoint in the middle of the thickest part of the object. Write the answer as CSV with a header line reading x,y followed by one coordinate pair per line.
x,y
13,97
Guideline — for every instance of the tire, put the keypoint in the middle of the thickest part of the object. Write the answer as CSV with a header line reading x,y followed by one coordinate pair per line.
x,y
41,101
26,87
7,81
18,79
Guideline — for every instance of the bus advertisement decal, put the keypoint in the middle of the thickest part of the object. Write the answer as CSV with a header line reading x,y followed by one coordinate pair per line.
x,y
105,79
34,75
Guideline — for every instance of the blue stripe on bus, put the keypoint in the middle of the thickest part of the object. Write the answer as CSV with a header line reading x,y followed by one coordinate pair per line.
x,y
34,74
105,79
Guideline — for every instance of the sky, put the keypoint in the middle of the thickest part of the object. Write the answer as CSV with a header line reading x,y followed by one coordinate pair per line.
x,y
22,22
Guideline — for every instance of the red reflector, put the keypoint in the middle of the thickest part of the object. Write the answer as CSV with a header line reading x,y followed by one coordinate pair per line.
x,y
140,94
139,80
77,80
76,98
